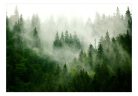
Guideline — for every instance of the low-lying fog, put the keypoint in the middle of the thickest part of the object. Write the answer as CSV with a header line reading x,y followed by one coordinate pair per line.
x,y
88,26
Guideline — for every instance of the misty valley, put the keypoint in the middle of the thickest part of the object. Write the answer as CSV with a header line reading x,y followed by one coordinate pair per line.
x,y
69,55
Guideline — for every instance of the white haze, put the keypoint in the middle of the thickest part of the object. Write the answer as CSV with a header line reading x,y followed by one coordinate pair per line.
x,y
82,11
88,21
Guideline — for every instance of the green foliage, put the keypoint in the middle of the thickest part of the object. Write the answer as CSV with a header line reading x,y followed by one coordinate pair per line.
x,y
57,42
100,50
66,40
90,53
81,82
107,37
129,21
107,68
36,38
26,71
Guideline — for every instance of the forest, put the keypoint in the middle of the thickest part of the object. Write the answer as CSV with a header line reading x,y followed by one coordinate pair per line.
x,y
67,63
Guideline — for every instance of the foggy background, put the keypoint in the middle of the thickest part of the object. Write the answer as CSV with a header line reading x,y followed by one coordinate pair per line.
x,y
89,21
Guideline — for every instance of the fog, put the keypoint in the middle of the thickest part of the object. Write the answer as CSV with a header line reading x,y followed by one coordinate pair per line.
x,y
69,47
88,25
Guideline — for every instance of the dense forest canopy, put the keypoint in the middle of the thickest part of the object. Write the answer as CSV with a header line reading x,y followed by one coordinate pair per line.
x,y
79,56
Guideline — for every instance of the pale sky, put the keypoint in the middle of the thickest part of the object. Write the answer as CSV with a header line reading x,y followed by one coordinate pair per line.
x,y
83,11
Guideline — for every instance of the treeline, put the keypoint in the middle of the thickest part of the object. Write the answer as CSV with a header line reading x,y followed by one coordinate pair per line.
x,y
105,68
25,69
116,24
108,67
66,40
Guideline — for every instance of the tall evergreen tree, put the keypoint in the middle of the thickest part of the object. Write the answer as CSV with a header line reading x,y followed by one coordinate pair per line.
x,y
81,55
90,54
36,38
57,42
100,50
107,37
107,40
129,21
118,12
66,37
62,37
76,41
65,68
70,40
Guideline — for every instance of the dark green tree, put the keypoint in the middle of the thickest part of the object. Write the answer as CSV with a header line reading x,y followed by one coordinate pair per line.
x,y
129,21
81,55
100,50
57,42
65,68
81,82
76,41
36,38
107,38
90,54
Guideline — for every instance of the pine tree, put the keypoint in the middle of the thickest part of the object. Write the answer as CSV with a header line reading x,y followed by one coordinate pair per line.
x,y
90,54
57,36
36,38
118,12
57,42
76,41
107,40
100,50
62,37
129,21
70,40
18,29
65,68
81,56
66,37
107,37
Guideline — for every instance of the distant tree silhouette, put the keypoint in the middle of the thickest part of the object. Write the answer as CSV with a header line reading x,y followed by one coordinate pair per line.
x,y
100,50
90,53
36,38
